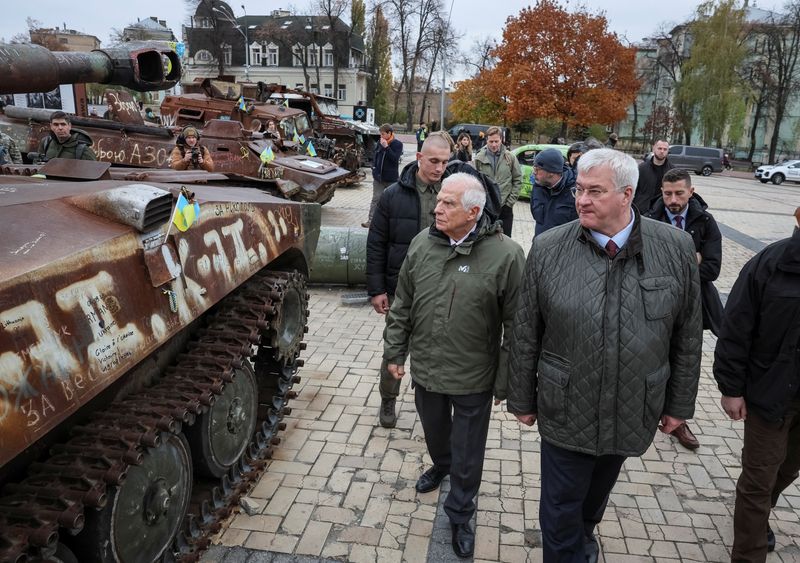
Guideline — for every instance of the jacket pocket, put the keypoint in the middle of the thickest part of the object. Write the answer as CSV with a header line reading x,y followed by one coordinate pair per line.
x,y
553,388
655,396
656,297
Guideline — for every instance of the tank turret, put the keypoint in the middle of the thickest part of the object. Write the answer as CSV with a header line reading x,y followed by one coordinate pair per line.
x,y
139,66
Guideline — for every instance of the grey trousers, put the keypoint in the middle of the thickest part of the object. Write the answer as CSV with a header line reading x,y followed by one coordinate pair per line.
x,y
377,191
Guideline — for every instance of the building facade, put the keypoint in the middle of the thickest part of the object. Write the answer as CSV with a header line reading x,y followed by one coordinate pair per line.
x,y
300,52
64,39
653,115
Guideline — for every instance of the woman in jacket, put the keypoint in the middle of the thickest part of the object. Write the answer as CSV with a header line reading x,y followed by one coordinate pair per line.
x,y
189,153
464,147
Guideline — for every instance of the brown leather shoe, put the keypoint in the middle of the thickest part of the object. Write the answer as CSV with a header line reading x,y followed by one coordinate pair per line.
x,y
685,437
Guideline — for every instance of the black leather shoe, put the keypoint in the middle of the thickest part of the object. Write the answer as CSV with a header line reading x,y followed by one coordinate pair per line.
x,y
463,539
431,479
770,539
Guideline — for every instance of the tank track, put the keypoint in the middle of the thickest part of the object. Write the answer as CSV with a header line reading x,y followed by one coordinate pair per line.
x,y
56,493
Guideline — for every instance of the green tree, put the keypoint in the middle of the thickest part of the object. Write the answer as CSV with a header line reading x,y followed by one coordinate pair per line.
x,y
711,83
379,83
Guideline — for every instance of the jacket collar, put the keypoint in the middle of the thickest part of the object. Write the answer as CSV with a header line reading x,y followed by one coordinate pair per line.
x,y
484,228
789,261
632,248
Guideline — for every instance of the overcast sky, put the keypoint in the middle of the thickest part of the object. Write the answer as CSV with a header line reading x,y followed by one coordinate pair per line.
x,y
476,19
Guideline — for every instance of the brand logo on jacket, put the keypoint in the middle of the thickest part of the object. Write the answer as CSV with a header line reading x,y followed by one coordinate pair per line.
x,y
464,269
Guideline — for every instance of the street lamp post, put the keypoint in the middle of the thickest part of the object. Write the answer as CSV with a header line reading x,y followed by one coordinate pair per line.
x,y
229,18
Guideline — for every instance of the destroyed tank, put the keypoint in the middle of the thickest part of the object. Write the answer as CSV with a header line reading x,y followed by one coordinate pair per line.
x,y
149,341
211,98
124,139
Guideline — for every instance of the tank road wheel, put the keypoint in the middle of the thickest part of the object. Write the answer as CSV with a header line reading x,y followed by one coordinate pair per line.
x,y
289,323
145,512
220,435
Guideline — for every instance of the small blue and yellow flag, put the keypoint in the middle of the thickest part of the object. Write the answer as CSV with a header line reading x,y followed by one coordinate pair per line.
x,y
302,140
267,155
242,104
286,103
186,213
296,137
310,149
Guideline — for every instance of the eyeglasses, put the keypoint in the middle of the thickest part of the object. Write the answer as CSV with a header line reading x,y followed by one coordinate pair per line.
x,y
593,193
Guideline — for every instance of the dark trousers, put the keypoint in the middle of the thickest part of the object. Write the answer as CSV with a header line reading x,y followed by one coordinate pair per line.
x,y
455,432
770,462
507,217
389,387
575,489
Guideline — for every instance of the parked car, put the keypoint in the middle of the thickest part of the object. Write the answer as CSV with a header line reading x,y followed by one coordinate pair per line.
x,y
786,170
474,130
701,160
526,154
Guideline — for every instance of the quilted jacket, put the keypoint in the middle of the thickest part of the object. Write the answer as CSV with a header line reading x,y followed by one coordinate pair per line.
x,y
602,348
453,307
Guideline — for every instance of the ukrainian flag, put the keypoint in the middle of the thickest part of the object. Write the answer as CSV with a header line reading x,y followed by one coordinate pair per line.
x,y
267,155
286,103
242,104
310,149
186,213
295,137
302,140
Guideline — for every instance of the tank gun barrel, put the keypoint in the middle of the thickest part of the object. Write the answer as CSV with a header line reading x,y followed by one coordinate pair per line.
x,y
139,66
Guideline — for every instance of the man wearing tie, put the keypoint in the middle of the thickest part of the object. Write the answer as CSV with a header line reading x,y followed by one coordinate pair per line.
x,y
680,206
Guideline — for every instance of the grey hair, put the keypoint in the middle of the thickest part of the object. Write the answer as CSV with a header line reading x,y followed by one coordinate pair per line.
x,y
474,192
624,170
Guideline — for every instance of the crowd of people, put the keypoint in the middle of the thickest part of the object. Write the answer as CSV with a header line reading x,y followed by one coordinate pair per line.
x,y
597,336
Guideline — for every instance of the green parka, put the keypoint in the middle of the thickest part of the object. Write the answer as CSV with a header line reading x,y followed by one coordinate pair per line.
x,y
507,173
78,146
602,348
453,310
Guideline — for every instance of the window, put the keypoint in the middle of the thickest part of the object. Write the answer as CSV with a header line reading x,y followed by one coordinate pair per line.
x,y
676,149
327,55
255,54
272,55
227,54
313,55
314,89
203,56
342,91
328,90
297,55
299,86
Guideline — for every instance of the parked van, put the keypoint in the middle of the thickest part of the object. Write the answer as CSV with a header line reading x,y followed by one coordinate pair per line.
x,y
702,160
474,130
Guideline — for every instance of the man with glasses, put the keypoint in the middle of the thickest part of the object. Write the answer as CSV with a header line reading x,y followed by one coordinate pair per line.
x,y
605,347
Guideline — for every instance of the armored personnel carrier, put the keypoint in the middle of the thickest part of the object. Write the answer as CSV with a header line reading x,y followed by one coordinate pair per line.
x,y
149,340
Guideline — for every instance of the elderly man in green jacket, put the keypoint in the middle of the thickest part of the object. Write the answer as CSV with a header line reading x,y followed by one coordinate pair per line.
x,y
606,345
502,167
455,302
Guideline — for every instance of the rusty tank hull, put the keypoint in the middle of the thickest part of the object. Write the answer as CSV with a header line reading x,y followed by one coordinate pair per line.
x,y
150,334
236,152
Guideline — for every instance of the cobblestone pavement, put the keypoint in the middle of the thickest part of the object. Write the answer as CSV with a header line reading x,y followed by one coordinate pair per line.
x,y
340,487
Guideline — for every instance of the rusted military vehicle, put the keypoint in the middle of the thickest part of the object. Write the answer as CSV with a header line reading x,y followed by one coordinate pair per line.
x,y
149,341
124,139
323,111
215,99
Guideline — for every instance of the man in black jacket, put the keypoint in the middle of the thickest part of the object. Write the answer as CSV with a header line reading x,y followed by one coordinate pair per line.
x,y
651,171
681,207
404,209
385,166
757,368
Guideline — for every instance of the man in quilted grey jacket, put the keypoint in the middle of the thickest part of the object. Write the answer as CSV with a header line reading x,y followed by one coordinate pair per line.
x,y
606,344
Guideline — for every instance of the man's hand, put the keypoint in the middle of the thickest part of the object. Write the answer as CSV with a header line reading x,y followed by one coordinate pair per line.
x,y
380,303
526,419
699,258
384,143
669,423
396,371
734,407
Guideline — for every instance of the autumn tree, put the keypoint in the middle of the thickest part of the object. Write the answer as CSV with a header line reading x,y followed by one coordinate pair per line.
x,y
711,83
572,68
475,100
379,65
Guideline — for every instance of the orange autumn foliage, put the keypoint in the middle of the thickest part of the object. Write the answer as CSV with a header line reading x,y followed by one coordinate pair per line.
x,y
561,65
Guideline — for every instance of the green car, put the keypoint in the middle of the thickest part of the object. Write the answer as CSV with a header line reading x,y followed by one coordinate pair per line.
x,y
526,155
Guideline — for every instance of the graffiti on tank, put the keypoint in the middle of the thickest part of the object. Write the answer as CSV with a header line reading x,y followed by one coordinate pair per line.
x,y
133,153
61,347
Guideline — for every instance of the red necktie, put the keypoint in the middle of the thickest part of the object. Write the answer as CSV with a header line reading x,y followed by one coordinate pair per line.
x,y
612,248
679,221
